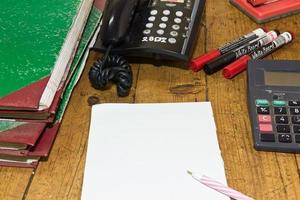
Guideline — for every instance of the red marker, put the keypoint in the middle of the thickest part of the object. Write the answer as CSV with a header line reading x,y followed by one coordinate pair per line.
x,y
199,62
241,64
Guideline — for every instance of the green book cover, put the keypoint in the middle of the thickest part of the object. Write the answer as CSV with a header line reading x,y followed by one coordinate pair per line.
x,y
32,36
15,128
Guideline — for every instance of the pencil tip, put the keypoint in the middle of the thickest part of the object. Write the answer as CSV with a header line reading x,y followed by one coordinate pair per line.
x,y
189,172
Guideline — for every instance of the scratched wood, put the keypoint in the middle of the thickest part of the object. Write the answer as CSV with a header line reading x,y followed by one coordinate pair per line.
x,y
13,182
259,174
262,175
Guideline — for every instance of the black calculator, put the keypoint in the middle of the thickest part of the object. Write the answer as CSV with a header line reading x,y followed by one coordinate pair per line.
x,y
274,104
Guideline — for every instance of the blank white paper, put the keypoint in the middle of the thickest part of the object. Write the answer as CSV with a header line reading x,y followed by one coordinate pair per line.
x,y
143,152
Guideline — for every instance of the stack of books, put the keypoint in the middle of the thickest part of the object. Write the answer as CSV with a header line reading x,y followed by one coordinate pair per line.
x,y
43,48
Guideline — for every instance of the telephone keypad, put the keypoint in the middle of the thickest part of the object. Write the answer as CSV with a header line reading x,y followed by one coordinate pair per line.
x,y
157,27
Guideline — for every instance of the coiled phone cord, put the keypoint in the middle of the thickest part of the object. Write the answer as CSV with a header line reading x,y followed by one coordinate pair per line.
x,y
112,68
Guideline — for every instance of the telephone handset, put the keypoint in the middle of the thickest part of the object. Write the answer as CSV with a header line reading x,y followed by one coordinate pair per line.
x,y
116,21
159,29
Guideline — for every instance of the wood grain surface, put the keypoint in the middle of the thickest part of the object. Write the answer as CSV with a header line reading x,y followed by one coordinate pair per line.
x,y
261,175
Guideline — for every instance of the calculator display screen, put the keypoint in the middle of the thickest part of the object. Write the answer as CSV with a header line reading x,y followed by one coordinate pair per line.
x,y
282,78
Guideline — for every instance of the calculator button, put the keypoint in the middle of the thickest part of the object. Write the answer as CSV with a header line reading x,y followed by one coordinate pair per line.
x,y
162,25
267,137
179,13
280,111
164,19
296,129
153,12
177,20
264,118
262,102
282,119
283,128
172,40
294,103
279,103
147,31
151,19
174,33
263,110
285,138
266,128
149,25
176,27
297,138
296,120
295,111
160,32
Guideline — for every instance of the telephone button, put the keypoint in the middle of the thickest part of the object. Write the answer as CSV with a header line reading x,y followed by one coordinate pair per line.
x,y
177,20
151,19
174,33
153,12
172,40
166,12
179,13
170,4
164,19
162,25
176,27
147,31
160,32
149,25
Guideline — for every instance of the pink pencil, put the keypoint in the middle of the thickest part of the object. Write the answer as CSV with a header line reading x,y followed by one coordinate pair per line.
x,y
219,187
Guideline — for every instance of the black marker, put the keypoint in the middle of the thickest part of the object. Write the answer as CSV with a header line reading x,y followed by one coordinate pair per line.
x,y
241,64
199,62
225,59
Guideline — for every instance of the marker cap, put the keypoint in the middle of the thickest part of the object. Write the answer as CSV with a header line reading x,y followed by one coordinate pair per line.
x,y
198,63
259,32
236,67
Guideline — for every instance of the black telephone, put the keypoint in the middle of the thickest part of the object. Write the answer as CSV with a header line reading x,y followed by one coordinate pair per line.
x,y
159,29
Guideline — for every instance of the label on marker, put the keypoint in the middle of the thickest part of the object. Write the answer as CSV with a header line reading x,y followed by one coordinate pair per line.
x,y
242,40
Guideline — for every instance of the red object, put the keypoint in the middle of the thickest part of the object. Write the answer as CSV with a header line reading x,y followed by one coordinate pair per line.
x,y
260,2
27,133
198,63
236,67
21,98
42,147
268,128
268,12
264,118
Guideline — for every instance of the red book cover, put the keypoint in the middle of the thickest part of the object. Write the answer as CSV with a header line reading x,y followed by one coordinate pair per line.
x,y
42,147
20,132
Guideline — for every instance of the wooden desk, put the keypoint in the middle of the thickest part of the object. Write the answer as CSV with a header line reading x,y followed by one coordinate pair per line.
x,y
259,174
